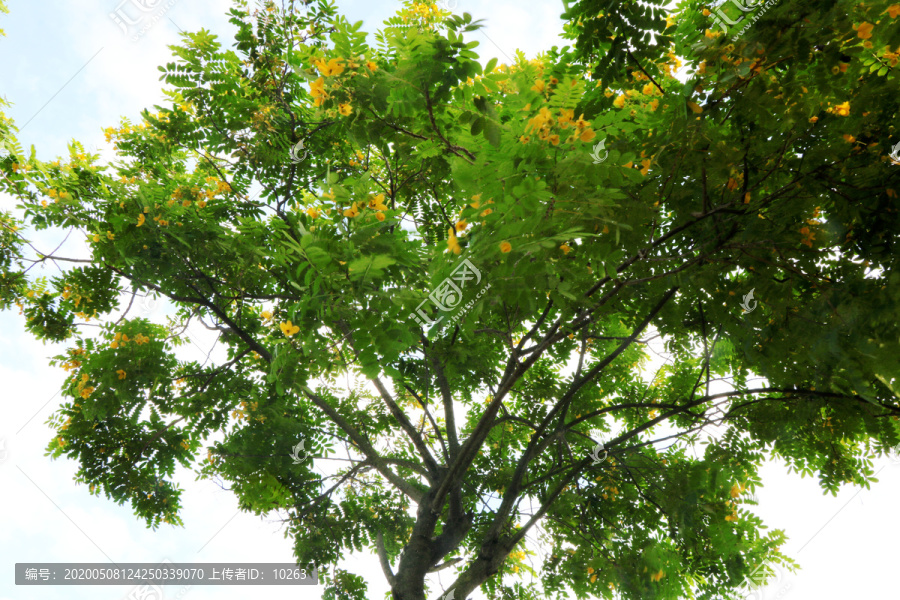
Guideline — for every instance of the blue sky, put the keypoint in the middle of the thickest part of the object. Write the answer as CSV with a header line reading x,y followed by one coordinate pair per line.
x,y
69,71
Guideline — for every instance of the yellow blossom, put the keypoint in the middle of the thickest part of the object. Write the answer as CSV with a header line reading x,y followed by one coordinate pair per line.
x,y
842,110
121,373
371,66
345,109
289,329
266,314
313,212
619,102
505,247
376,202
141,219
453,243
352,211
332,67
380,216
864,31
461,225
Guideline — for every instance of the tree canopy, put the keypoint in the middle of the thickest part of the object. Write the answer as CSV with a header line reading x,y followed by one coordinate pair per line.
x,y
488,253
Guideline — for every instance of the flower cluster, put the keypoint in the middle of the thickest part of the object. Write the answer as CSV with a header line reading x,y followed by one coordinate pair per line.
x,y
375,202
121,339
546,126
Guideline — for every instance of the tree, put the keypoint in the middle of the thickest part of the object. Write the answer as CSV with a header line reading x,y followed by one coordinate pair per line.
x,y
316,199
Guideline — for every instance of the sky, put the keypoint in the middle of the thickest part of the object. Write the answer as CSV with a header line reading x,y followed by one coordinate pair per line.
x,y
69,70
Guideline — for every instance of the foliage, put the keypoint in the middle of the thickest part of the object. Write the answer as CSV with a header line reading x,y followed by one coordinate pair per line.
x,y
762,174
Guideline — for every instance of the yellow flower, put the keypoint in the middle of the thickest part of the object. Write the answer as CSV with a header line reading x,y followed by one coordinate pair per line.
x,y
377,202
565,248
813,119
648,89
332,67
186,203
86,392
121,373
695,107
658,575
371,66
313,212
587,135
141,219
735,491
266,314
345,109
619,102
289,329
842,110
453,243
352,211
849,138
505,247
566,115
524,139
646,165
461,225
894,11
538,85
486,212
380,216
864,31
317,89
